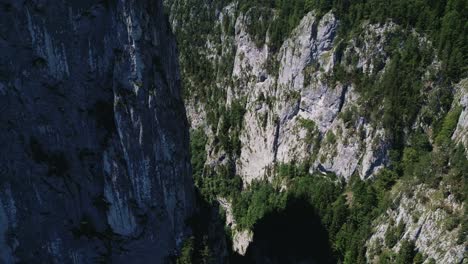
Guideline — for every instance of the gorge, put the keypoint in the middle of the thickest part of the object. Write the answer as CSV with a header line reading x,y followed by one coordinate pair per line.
x,y
233,131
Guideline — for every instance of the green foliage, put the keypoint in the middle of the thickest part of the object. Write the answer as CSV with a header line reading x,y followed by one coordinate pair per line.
x,y
291,170
449,125
445,162
347,220
399,90
394,234
262,198
258,21
393,97
383,183
416,156
418,258
252,204
219,182
362,200
211,182
288,15
186,253
407,253
205,254
312,135
463,233
198,141
410,156
451,222
231,126
347,213
444,21
387,257
194,251
330,137
349,116
452,38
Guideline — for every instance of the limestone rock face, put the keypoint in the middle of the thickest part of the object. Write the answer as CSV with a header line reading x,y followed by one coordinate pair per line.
x,y
296,107
461,133
423,224
94,163
241,238
290,112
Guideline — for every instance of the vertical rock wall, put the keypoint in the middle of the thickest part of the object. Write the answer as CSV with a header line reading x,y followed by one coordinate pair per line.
x,y
94,162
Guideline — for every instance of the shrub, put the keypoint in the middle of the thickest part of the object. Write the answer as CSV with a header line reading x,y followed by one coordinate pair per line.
x,y
394,234
330,137
186,253
406,253
448,127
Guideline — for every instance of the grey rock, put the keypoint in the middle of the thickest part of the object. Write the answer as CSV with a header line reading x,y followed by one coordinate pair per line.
x,y
94,158
425,223
461,132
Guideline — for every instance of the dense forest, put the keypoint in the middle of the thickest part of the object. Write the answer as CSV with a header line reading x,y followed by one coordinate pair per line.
x,y
443,21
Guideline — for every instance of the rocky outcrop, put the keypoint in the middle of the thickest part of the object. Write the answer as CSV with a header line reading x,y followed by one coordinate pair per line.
x,y
461,132
429,219
292,111
94,160
241,239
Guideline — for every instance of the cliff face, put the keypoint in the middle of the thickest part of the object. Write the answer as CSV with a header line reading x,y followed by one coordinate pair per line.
x,y
94,157
293,109
303,123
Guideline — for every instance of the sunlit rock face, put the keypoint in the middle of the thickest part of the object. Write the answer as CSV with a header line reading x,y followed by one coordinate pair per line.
x,y
94,161
461,133
298,110
291,110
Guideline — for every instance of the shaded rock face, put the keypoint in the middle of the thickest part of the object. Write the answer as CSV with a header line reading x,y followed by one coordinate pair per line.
x,y
94,163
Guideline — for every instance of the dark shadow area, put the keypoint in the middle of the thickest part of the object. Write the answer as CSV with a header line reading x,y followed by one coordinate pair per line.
x,y
293,235
208,242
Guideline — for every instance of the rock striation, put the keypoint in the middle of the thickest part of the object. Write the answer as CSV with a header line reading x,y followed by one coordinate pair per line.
x,y
94,163
426,218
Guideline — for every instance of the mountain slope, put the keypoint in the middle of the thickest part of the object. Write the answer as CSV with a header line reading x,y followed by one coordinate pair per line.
x,y
278,96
